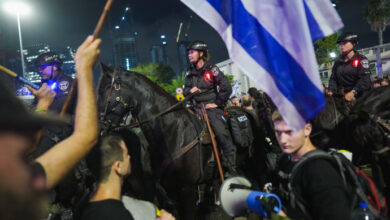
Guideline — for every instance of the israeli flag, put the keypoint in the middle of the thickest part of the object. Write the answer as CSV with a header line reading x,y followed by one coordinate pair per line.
x,y
235,88
272,42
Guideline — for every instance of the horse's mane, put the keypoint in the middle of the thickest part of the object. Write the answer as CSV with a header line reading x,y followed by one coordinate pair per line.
x,y
156,87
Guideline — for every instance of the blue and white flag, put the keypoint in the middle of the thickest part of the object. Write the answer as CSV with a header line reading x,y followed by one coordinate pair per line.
x,y
235,88
272,42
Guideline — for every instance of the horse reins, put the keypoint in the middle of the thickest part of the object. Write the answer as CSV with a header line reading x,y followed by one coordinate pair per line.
x,y
175,155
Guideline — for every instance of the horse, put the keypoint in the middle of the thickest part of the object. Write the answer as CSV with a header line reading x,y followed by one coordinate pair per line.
x,y
367,129
175,164
364,131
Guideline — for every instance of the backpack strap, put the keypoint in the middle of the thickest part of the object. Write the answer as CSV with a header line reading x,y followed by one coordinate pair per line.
x,y
344,167
295,198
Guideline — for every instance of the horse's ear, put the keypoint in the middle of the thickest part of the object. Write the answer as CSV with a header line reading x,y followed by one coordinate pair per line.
x,y
106,69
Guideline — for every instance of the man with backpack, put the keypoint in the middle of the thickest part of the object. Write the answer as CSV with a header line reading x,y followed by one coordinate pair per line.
x,y
317,190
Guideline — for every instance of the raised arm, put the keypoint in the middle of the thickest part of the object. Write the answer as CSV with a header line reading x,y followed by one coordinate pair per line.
x,y
62,158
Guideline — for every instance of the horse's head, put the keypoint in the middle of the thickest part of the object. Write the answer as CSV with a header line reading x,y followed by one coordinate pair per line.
x,y
121,91
114,102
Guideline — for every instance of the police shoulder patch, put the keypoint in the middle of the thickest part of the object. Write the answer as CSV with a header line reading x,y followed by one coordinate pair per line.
x,y
215,70
64,85
365,63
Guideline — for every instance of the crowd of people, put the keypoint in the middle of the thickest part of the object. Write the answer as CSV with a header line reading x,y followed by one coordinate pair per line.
x,y
39,150
319,187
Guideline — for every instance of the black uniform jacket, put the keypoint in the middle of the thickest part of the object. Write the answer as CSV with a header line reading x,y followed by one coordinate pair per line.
x,y
62,88
351,75
211,81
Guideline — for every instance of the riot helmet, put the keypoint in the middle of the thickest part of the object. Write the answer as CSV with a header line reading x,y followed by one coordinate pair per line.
x,y
49,58
348,36
199,46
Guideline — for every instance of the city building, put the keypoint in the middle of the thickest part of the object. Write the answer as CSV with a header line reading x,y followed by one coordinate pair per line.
x,y
125,53
67,56
182,56
31,53
243,81
125,41
158,53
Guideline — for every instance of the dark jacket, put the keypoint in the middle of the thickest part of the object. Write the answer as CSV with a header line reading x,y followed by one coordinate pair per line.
x,y
207,79
62,88
319,185
64,83
54,134
351,75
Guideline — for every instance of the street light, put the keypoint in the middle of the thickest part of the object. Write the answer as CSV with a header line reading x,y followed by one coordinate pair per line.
x,y
18,8
332,55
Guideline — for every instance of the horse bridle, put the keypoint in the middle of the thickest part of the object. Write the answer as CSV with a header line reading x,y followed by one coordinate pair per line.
x,y
115,85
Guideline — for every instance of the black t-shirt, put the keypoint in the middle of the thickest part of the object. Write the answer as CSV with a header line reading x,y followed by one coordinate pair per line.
x,y
109,209
321,186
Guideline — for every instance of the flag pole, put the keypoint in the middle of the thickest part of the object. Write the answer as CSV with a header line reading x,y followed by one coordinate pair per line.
x,y
96,33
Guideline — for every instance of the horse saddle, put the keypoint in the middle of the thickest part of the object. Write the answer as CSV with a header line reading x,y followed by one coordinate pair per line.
x,y
206,138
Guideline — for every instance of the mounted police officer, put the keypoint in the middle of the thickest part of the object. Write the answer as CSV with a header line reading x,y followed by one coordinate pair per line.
x,y
214,91
350,73
49,65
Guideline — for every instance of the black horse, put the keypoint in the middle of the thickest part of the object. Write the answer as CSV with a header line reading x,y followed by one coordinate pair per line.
x,y
121,92
365,131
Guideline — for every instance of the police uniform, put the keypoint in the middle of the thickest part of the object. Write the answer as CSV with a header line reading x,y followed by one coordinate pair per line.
x,y
353,75
61,84
215,88
54,134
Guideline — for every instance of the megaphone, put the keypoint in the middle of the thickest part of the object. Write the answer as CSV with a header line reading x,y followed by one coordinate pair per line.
x,y
237,198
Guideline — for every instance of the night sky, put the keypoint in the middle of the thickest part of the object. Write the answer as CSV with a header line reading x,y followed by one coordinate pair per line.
x,y
62,23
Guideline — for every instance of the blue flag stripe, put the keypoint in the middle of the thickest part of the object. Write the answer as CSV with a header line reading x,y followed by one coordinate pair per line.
x,y
288,75
315,30
325,16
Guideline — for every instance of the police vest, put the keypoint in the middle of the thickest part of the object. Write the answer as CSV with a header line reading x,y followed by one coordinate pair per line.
x,y
241,129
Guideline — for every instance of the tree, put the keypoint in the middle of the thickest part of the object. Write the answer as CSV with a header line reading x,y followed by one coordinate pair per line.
x,y
157,72
377,14
324,47
230,78
176,83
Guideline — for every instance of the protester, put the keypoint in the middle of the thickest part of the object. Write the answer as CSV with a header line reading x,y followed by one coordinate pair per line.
x,y
377,83
248,107
19,181
351,71
109,161
385,82
318,184
204,78
235,101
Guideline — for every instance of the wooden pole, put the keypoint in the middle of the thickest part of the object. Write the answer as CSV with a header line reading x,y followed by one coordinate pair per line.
x,y
212,135
96,33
